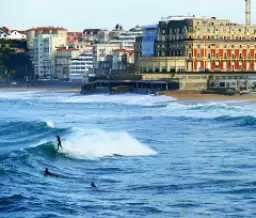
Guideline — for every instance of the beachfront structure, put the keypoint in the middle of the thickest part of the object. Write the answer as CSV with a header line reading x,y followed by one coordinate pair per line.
x,y
45,44
81,68
62,60
196,44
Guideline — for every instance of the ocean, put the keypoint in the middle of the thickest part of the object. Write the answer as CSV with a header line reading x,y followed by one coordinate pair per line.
x,y
149,156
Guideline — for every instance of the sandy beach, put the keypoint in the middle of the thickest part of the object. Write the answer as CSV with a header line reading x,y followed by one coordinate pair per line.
x,y
186,95
23,89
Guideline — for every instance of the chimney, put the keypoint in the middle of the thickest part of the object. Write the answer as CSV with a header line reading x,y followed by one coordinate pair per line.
x,y
248,12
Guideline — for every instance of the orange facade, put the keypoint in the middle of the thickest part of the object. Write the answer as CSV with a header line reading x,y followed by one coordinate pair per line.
x,y
252,65
252,53
244,66
244,53
213,65
229,53
221,53
195,52
236,53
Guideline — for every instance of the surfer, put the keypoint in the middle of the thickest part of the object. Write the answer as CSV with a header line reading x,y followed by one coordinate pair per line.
x,y
93,185
47,173
59,143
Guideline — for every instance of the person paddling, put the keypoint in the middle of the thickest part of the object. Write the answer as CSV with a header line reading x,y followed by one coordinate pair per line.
x,y
47,173
59,143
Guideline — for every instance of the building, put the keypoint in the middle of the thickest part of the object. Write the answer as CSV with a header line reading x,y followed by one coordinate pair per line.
x,y
4,33
62,60
90,35
31,33
45,44
81,68
74,38
103,57
196,44
17,35
122,58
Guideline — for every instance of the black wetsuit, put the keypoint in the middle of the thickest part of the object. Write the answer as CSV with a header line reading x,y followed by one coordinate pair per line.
x,y
59,143
47,173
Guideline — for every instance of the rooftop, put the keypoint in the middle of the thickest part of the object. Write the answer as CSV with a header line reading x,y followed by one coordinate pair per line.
x,y
46,28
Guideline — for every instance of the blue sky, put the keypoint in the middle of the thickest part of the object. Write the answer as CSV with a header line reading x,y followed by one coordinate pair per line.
x,y
77,15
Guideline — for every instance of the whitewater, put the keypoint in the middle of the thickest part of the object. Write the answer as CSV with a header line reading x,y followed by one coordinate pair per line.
x,y
150,156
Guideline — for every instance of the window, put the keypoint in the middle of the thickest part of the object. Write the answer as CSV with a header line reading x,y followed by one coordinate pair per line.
x,y
225,55
172,69
164,69
157,69
222,84
209,55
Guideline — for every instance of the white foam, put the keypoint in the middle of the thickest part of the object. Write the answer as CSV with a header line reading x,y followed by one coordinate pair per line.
x,y
207,110
98,144
131,99
50,124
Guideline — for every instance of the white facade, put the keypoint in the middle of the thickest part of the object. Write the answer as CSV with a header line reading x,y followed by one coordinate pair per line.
x,y
44,50
17,35
81,68
3,34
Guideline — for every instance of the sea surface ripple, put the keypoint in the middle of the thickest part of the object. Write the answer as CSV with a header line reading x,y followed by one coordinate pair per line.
x,y
149,156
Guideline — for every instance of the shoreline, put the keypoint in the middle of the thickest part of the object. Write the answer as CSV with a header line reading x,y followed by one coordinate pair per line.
x,y
55,89
193,95
180,95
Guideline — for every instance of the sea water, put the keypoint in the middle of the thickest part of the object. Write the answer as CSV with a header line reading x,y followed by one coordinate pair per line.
x,y
149,156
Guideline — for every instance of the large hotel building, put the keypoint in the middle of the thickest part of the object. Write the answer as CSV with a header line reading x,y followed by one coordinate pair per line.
x,y
196,44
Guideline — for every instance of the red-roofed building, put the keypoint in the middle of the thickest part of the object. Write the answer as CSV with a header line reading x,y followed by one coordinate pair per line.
x,y
122,58
33,32
43,43
74,37
18,35
4,33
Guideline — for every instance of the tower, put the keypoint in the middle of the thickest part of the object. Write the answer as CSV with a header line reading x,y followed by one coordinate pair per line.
x,y
248,12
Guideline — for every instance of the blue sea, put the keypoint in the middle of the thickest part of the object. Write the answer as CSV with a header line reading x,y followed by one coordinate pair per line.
x,y
148,156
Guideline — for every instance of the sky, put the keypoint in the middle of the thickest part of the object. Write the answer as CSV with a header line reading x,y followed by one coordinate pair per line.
x,y
77,15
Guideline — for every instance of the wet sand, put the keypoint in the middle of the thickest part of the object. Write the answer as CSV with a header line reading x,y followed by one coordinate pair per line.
x,y
197,95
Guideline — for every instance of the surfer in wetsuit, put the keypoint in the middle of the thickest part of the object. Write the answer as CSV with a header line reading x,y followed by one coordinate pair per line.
x,y
59,143
47,173
93,185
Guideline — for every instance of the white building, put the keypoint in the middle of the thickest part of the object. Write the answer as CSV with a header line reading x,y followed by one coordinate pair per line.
x,y
18,35
45,44
81,68
4,34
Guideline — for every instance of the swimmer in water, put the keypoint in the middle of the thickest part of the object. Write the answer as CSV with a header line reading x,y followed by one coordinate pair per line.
x,y
59,143
93,185
47,173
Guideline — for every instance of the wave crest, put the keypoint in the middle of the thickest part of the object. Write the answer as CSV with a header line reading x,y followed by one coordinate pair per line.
x,y
98,144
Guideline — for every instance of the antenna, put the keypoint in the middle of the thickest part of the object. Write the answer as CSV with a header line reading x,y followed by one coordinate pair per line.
x,y
248,12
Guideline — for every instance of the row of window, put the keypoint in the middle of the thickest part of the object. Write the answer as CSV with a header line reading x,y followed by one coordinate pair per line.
x,y
163,69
